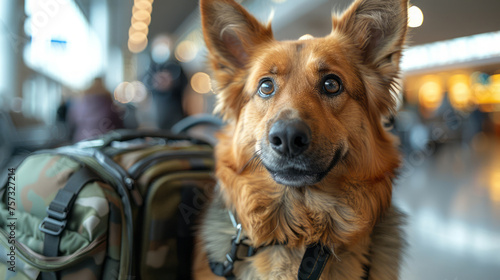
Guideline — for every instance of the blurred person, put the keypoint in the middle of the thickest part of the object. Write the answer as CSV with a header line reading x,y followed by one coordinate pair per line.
x,y
93,113
62,114
167,82
472,125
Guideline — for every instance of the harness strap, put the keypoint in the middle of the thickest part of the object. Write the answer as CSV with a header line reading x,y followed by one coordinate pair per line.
x,y
311,267
239,251
366,269
313,262
225,269
367,266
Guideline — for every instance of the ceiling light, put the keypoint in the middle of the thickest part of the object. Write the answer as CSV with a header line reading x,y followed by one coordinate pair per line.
x,y
133,30
141,15
137,46
138,37
415,17
142,6
139,25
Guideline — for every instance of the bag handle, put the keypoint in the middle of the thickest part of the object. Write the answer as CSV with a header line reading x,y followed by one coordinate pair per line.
x,y
126,134
185,124
178,132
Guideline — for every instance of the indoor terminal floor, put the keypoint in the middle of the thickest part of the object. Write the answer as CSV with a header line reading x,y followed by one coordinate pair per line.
x,y
452,198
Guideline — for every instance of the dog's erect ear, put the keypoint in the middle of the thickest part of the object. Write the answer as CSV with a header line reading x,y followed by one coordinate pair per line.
x,y
231,35
231,32
379,28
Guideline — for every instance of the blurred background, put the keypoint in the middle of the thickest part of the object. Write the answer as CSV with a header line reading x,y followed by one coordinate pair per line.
x,y
73,69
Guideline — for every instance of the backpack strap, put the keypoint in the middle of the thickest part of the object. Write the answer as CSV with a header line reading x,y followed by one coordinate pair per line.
x,y
57,213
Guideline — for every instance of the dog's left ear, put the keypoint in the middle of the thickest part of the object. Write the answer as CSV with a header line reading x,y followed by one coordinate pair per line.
x,y
379,28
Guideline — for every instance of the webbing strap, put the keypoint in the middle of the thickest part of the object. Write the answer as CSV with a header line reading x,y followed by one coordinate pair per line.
x,y
313,262
366,269
58,211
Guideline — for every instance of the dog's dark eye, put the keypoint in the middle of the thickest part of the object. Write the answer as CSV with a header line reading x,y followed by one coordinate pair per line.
x,y
266,88
332,85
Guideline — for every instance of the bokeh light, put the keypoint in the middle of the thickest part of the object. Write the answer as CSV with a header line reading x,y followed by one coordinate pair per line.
x,y
415,17
139,28
431,93
124,93
460,91
127,92
200,82
186,51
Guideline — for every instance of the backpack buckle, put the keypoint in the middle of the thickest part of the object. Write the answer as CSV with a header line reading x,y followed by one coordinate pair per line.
x,y
52,226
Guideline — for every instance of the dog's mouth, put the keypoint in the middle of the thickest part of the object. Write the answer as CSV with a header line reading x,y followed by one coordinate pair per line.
x,y
299,173
296,178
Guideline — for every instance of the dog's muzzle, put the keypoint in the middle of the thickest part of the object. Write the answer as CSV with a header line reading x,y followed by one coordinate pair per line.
x,y
288,157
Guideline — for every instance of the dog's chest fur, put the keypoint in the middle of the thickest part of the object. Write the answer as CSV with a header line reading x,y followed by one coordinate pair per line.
x,y
380,251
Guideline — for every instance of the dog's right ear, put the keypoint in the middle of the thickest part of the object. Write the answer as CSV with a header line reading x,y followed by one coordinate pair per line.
x,y
231,33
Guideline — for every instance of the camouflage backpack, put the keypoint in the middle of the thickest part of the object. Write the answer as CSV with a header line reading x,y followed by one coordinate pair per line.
x,y
119,207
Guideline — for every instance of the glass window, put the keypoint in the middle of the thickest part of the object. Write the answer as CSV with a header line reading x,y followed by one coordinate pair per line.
x,y
63,46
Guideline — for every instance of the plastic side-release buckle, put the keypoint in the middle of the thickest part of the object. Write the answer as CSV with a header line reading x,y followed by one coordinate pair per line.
x,y
52,226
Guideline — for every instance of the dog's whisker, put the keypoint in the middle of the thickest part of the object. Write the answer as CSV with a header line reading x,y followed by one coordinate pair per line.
x,y
257,163
334,254
255,158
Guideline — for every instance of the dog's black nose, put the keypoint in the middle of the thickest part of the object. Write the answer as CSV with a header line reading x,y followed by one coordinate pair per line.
x,y
290,137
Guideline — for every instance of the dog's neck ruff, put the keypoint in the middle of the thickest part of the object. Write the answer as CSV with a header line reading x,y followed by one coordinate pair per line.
x,y
311,267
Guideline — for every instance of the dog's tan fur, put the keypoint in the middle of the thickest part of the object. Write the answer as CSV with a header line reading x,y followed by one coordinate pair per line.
x,y
349,210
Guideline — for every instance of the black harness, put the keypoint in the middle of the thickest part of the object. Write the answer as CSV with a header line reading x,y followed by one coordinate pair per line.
x,y
313,262
311,267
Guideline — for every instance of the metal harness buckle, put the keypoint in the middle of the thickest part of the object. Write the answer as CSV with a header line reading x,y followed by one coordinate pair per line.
x,y
225,269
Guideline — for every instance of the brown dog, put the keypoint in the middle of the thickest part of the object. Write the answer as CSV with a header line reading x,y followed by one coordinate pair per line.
x,y
304,165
